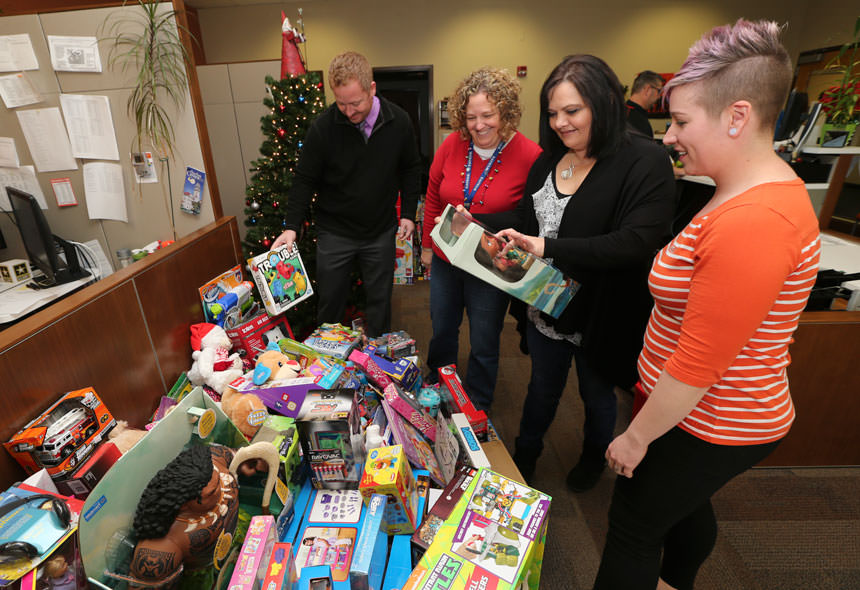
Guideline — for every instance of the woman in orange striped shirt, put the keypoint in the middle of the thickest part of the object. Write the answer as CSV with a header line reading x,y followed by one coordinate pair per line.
x,y
728,293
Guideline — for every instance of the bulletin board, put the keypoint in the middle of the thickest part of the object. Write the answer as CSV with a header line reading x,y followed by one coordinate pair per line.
x,y
154,209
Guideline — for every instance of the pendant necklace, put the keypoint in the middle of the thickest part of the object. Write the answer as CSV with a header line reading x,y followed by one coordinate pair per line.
x,y
568,172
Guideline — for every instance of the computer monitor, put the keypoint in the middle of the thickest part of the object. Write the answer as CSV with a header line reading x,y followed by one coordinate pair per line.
x,y
41,244
792,115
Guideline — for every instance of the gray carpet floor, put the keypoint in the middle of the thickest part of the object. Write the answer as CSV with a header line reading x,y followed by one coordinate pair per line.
x,y
779,529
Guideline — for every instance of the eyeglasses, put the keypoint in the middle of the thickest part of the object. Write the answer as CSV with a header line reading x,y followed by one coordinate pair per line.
x,y
659,89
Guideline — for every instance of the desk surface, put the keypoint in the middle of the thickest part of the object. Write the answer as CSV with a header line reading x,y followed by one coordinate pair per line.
x,y
16,301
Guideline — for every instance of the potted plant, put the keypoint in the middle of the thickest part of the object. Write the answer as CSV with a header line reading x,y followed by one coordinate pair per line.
x,y
839,102
148,42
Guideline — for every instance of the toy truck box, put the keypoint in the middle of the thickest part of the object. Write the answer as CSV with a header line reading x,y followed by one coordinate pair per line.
x,y
64,435
281,571
281,279
330,436
395,345
387,472
334,340
450,380
474,249
329,534
250,569
254,335
368,564
491,538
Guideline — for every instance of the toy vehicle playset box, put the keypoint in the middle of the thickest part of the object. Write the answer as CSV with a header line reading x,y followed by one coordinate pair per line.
x,y
387,472
474,249
492,539
395,345
281,279
450,380
64,435
326,422
252,562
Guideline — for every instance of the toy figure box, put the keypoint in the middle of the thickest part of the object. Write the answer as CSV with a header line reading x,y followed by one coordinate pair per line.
x,y
408,406
281,571
251,565
64,435
490,539
417,449
368,564
404,273
473,248
329,534
326,423
254,335
387,472
334,340
442,508
281,279
402,370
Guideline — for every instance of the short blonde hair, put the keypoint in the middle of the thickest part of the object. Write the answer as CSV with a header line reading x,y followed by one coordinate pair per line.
x,y
349,66
501,88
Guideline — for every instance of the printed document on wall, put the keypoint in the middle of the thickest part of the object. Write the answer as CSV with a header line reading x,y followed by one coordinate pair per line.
x,y
75,54
8,153
104,191
16,90
90,126
16,53
23,178
46,137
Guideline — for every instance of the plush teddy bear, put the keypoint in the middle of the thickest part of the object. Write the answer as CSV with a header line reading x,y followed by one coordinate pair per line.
x,y
213,364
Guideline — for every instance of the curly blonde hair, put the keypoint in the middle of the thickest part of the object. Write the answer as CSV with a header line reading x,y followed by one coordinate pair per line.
x,y
349,66
501,88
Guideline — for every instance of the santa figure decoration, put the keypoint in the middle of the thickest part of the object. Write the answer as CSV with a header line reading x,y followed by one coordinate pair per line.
x,y
292,63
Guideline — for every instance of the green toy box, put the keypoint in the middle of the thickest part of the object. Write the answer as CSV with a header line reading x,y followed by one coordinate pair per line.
x,y
493,539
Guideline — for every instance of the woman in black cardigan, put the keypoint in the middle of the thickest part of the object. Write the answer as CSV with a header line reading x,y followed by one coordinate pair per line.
x,y
598,203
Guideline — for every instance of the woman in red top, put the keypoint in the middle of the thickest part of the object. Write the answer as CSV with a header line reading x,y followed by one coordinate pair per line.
x,y
728,293
483,166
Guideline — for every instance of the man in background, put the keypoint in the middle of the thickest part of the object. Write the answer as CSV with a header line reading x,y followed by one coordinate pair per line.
x,y
646,90
358,155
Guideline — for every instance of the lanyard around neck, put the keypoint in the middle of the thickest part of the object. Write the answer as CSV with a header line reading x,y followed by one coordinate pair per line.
x,y
467,194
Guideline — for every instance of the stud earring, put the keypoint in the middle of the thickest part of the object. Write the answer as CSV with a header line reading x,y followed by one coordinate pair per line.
x,y
733,131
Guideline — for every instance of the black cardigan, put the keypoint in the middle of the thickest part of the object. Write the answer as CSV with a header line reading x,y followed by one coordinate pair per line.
x,y
357,182
609,233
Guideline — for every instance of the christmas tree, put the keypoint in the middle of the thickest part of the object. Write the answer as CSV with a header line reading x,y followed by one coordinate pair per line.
x,y
294,102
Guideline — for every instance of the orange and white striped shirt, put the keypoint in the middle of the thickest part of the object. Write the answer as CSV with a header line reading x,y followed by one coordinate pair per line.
x,y
728,293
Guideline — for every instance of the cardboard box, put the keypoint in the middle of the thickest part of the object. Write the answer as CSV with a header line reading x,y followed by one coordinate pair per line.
x,y
15,271
83,479
254,335
403,262
387,472
449,379
474,249
471,451
281,279
442,508
490,539
399,563
401,370
334,340
328,423
281,570
250,569
418,450
395,345
368,563
64,435
408,406
317,577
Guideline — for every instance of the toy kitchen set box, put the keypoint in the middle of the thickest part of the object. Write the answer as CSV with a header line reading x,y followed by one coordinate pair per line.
x,y
473,248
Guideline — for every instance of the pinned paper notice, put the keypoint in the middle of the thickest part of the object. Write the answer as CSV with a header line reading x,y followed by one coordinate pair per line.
x,y
90,126
46,137
16,53
75,54
105,191
23,178
63,191
16,90
8,153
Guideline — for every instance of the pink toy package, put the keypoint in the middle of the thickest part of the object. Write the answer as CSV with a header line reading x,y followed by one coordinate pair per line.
x,y
408,406
251,566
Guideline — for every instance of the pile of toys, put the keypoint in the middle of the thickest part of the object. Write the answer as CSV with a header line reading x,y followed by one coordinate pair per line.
x,y
373,480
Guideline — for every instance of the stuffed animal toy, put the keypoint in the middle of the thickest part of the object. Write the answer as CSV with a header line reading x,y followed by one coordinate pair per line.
x,y
274,365
213,364
124,437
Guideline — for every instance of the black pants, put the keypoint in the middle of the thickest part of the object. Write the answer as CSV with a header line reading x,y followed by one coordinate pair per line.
x,y
335,257
666,508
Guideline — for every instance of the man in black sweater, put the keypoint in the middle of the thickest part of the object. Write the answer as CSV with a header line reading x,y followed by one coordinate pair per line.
x,y
644,94
358,155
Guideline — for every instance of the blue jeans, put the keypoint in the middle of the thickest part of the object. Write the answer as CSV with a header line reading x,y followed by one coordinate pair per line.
x,y
550,366
451,291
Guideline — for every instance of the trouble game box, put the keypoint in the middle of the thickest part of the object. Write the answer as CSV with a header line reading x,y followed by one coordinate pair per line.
x,y
471,247
281,279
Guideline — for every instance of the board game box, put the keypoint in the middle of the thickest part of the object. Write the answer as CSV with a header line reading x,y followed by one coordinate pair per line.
x,y
281,279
